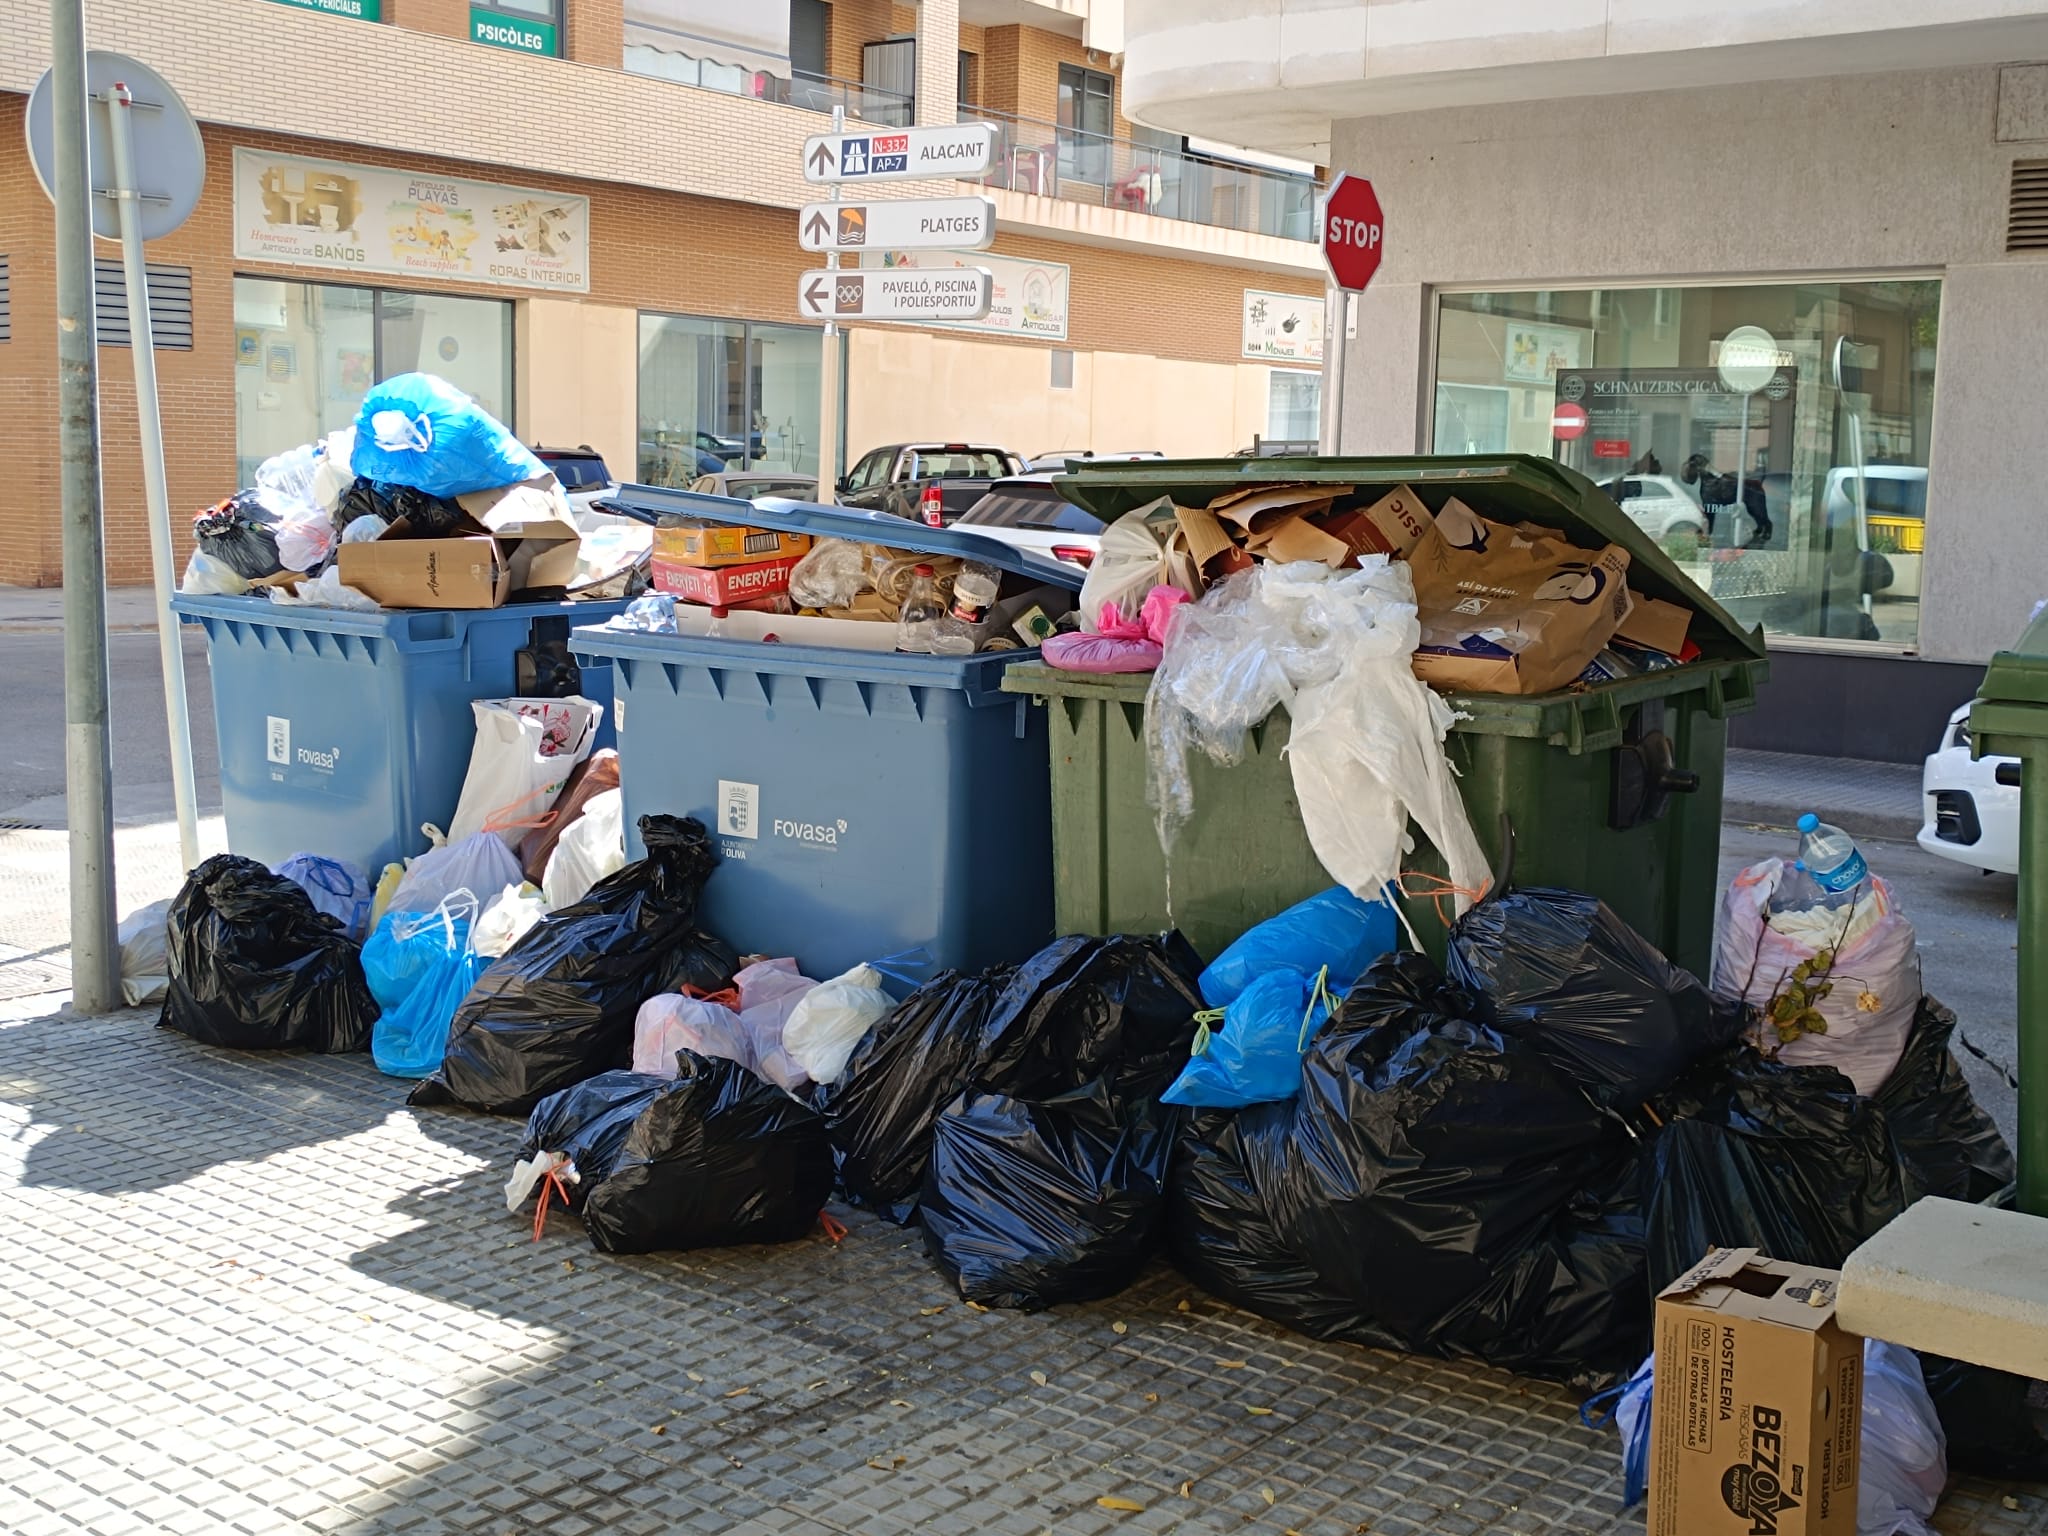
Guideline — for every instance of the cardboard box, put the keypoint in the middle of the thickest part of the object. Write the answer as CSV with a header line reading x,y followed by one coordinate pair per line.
x,y
1393,525
715,544
466,571
724,585
1654,623
532,522
1757,1413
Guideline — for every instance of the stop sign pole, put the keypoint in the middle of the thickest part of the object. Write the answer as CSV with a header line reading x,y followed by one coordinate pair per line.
x,y
1352,232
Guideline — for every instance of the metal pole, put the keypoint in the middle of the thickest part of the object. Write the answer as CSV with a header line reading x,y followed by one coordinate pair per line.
x,y
120,102
88,773
1335,324
828,362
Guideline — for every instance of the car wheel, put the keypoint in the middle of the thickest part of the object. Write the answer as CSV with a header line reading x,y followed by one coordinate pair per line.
x,y
1685,542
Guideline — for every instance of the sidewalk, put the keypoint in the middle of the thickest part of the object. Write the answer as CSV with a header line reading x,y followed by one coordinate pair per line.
x,y
40,610
1774,789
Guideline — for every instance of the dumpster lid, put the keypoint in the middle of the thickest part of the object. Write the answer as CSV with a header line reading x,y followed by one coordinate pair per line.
x,y
858,524
1506,487
2019,675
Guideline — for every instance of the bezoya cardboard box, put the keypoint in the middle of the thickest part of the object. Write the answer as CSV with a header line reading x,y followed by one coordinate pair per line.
x,y
1757,1406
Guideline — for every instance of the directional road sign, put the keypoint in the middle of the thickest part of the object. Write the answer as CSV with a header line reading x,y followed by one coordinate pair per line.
x,y
911,224
902,293
900,154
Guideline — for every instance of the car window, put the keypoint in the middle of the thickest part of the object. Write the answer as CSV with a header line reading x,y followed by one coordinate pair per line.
x,y
869,470
1888,497
578,471
1042,509
963,466
747,487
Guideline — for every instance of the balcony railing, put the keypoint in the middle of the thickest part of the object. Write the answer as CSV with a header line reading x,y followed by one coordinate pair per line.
x,y
816,93
1052,161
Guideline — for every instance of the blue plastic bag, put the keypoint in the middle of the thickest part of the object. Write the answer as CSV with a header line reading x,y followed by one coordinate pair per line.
x,y
1255,1058
427,961
337,887
1627,1407
422,431
1333,929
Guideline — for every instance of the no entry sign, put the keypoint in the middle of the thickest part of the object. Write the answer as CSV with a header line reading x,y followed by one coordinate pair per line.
x,y
1568,421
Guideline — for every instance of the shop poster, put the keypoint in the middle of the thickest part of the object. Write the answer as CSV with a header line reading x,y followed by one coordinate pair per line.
x,y
344,218
1028,298
1282,328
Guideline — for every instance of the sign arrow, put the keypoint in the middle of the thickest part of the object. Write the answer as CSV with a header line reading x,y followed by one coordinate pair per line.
x,y
817,227
822,162
817,294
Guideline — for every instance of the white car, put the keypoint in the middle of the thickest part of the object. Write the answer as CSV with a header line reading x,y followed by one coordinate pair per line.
x,y
1028,512
1661,506
1967,812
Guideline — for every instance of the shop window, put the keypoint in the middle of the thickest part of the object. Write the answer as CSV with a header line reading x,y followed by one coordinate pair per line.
x,y
1062,368
170,305
307,353
889,71
1086,122
1294,406
524,26
1772,438
719,396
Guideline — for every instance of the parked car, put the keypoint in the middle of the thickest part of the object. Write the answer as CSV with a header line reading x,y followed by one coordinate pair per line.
x,y
926,482
584,475
1029,512
1661,506
1968,812
1060,459
746,484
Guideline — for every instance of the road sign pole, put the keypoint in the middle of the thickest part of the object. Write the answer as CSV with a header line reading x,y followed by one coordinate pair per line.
x,y
1335,302
828,374
120,104
88,774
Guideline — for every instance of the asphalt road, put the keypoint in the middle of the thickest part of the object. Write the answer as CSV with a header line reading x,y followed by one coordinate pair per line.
x,y
1964,919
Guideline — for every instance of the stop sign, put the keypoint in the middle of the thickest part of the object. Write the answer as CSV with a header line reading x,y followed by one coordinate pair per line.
x,y
1352,232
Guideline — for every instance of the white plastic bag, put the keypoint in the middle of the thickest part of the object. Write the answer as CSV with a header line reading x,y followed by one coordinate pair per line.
x,y
1132,561
481,862
770,991
1366,740
144,966
366,529
209,576
593,846
504,922
1876,976
673,1022
337,887
523,754
828,1023
332,476
288,477
832,575
1904,1465
326,591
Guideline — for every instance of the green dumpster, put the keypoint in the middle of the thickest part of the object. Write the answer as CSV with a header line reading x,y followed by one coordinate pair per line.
x,y
1612,788
2010,719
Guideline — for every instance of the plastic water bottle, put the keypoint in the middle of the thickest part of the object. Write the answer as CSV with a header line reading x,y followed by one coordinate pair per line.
x,y
1832,858
920,613
1797,890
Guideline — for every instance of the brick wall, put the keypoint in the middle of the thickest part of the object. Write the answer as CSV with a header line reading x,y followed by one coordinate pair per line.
x,y
450,18
854,23
597,32
1023,71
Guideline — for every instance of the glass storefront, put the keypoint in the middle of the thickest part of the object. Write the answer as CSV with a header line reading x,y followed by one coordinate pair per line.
x,y
721,394
1771,437
307,353
1294,405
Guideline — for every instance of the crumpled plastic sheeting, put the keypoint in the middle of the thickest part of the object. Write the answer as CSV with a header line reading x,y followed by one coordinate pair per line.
x,y
1366,749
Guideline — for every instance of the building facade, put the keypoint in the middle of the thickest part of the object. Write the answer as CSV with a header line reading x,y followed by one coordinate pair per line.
x,y
584,213
1771,274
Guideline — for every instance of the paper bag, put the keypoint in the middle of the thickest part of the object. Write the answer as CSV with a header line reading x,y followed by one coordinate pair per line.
x,y
1511,610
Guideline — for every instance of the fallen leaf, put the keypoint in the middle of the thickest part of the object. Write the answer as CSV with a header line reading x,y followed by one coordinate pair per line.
x,y
975,1306
1151,1397
728,1455
1125,1506
929,1311
743,1391
693,1376
1231,1365
1182,1307
1038,1377
814,1386
879,1466
2010,1502
1266,1494
897,1461
897,1402
1290,1531
657,1429
568,1263
1187,1489
1261,1412
1119,1327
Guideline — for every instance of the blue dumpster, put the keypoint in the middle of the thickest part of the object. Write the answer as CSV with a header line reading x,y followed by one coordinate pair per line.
x,y
340,733
865,802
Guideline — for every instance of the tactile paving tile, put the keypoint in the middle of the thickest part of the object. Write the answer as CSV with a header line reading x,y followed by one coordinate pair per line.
x,y
256,1293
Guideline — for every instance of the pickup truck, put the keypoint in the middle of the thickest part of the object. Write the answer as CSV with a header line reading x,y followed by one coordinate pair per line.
x,y
926,482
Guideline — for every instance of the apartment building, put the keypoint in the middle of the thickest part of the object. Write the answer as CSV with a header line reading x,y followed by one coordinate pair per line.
x,y
1592,205
583,212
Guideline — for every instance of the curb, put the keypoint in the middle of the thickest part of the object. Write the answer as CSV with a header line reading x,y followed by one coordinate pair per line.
x,y
1889,826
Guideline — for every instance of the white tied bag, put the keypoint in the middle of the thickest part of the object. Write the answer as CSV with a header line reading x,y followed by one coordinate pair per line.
x,y
593,846
524,751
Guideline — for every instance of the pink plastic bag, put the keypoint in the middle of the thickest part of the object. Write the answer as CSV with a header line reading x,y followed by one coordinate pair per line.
x,y
769,993
673,1022
1876,978
1121,644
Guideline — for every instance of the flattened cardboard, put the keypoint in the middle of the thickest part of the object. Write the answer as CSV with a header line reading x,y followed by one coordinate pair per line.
x,y
715,544
1654,623
1245,507
1393,525
1205,535
1299,539
532,520
1756,1418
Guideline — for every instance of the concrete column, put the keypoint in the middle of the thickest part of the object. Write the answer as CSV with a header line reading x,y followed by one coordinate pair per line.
x,y
938,61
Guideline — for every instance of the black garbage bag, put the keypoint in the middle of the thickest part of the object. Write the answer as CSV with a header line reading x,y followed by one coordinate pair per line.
x,y
1949,1145
1756,1154
365,498
1559,970
902,1074
558,1006
1030,1203
1426,1151
237,532
1987,1420
711,1157
253,965
427,516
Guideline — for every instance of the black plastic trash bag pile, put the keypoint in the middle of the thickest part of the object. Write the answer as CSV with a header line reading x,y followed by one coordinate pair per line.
x,y
239,533
558,1006
1047,1174
711,1157
427,515
253,965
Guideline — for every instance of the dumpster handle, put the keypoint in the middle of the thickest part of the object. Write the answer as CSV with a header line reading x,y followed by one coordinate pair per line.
x,y
1023,716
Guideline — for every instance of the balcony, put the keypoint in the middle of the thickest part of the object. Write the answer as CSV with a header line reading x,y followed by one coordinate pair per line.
x,y
1079,167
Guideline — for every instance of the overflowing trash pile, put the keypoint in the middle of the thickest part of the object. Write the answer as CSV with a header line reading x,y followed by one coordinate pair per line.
x,y
427,501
